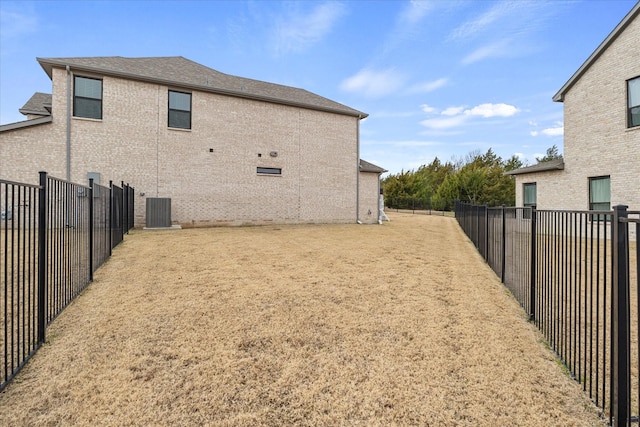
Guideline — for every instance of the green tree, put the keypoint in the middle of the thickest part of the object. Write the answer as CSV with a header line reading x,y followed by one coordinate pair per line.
x,y
475,178
552,154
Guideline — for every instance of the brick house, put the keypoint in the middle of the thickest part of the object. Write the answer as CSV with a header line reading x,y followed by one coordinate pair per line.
x,y
601,166
227,150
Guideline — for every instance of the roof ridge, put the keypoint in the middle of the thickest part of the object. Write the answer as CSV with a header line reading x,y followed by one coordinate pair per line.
x,y
183,72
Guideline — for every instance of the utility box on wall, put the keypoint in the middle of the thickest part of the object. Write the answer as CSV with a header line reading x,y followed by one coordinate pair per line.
x,y
158,212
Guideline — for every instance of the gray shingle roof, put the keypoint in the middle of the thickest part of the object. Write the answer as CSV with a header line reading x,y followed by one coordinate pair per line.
x,y
177,71
370,167
38,104
557,164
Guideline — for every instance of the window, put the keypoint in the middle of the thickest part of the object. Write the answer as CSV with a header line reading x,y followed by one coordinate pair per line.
x,y
179,110
600,193
269,171
633,93
529,194
87,97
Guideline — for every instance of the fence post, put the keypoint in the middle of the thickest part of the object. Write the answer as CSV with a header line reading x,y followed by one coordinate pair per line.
x,y
125,209
91,229
532,289
477,227
486,232
504,244
110,217
42,256
620,335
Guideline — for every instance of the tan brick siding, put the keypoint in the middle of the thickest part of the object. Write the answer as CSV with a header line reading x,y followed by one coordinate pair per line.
x,y
597,141
369,196
209,172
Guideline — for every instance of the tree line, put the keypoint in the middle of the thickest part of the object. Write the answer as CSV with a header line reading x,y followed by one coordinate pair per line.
x,y
477,178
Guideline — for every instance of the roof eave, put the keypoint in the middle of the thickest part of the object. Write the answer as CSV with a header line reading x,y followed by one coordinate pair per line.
x,y
48,64
34,112
366,166
26,123
559,96
553,165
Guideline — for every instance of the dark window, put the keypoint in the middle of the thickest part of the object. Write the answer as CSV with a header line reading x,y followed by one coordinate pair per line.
x,y
270,171
179,110
600,193
530,194
633,95
87,97
529,191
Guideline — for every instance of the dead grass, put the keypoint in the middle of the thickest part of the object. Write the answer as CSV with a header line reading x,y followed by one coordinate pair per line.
x,y
400,324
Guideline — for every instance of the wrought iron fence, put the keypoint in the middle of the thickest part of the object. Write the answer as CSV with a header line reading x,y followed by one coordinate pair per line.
x,y
573,272
53,236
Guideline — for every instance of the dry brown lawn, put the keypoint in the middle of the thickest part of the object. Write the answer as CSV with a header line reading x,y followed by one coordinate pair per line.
x,y
399,324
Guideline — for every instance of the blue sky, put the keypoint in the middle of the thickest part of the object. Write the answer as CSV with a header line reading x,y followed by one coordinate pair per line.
x,y
437,78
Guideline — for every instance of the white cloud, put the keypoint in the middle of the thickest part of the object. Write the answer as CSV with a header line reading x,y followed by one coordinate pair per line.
x,y
493,50
429,86
456,116
414,12
296,32
452,111
482,23
374,83
557,131
493,110
427,109
444,122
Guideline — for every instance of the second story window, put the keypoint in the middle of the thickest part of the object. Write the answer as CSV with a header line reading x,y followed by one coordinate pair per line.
x,y
633,94
179,110
87,97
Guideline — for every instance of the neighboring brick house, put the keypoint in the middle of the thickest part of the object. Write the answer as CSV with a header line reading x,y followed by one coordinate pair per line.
x,y
227,150
601,165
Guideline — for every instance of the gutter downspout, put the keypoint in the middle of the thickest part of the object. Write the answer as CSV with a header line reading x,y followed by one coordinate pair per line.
x,y
68,124
379,216
68,210
358,169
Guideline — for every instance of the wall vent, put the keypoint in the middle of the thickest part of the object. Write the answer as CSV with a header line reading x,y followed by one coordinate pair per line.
x,y
158,212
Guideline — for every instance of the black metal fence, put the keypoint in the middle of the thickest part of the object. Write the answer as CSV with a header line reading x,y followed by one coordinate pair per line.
x,y
574,273
53,236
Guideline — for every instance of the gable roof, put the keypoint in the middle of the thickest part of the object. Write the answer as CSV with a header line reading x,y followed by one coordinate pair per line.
x,y
39,104
178,71
557,164
370,167
559,96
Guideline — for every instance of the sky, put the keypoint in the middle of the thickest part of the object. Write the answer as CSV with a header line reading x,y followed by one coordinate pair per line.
x,y
442,78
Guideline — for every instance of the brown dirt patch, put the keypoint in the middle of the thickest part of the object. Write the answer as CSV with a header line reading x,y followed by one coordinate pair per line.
x,y
399,324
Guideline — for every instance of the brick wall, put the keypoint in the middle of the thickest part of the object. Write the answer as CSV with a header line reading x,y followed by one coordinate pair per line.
x,y
209,172
597,141
369,197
